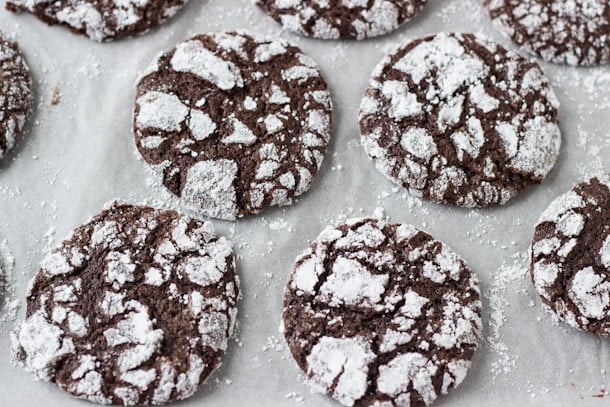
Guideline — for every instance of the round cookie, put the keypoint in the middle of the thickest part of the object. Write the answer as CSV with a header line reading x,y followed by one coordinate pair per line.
x,y
135,307
458,119
570,256
15,94
573,32
381,314
232,123
358,19
101,20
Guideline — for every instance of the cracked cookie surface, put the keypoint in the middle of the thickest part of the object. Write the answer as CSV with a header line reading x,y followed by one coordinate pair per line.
x,y
101,20
381,314
15,94
333,19
232,123
458,119
135,307
570,253
572,32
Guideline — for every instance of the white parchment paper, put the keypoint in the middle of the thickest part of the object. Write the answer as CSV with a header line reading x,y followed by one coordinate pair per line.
x,y
80,154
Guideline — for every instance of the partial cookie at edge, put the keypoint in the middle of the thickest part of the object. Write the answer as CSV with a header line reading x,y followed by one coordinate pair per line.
x,y
101,20
564,32
336,19
570,256
15,94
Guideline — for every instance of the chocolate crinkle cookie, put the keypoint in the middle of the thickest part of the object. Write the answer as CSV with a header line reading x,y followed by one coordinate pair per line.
x,y
101,20
15,94
333,19
380,314
573,32
232,123
570,254
134,307
458,119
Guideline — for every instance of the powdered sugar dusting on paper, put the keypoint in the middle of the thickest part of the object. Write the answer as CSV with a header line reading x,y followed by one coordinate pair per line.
x,y
505,279
9,305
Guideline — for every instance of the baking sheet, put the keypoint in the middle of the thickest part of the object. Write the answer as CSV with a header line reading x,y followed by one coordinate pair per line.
x,y
80,154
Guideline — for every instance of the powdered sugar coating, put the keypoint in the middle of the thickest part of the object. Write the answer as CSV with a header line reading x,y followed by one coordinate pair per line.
x,y
570,253
101,20
344,360
138,311
15,94
457,119
333,19
572,32
376,312
233,123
